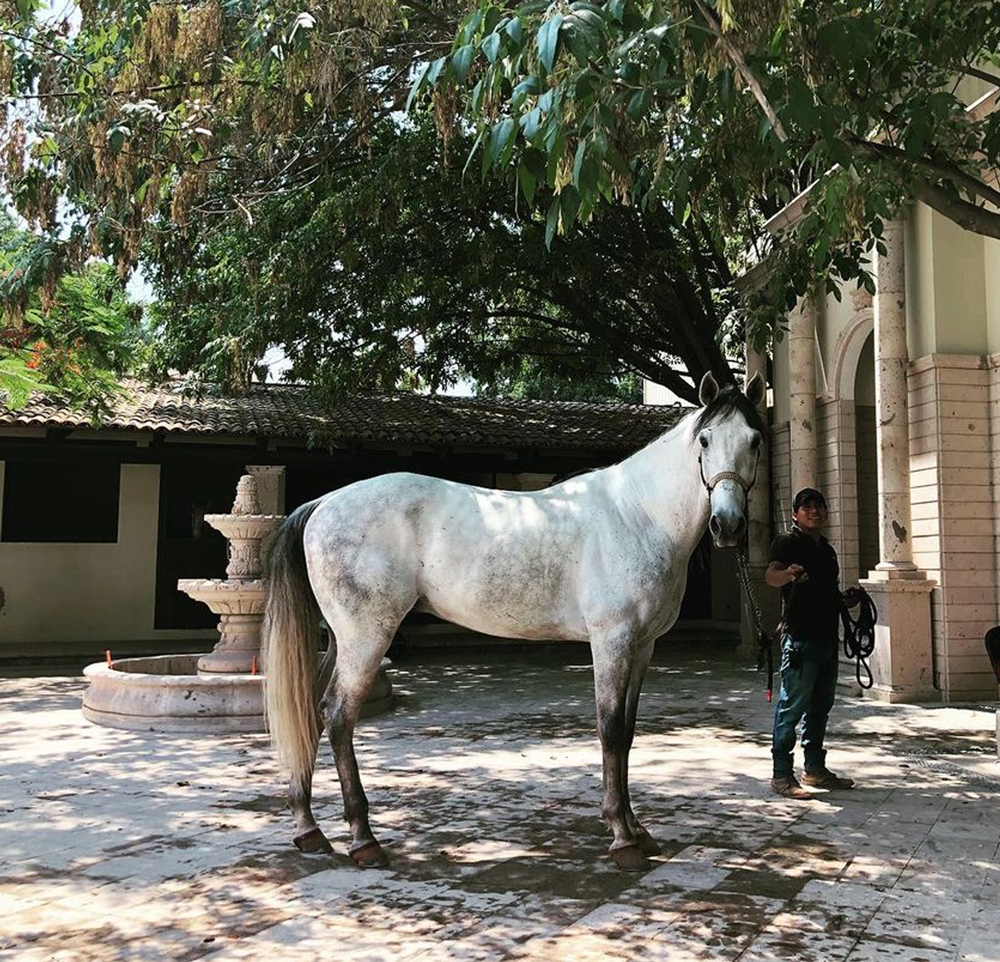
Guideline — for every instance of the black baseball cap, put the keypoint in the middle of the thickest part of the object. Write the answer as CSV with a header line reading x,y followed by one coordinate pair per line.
x,y
808,496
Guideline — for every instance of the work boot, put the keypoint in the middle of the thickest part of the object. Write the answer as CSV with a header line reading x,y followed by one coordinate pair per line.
x,y
788,787
824,778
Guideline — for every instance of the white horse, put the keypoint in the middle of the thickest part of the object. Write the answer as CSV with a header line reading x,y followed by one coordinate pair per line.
x,y
600,558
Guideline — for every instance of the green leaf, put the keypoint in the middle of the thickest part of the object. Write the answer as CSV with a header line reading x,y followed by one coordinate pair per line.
x,y
470,28
528,86
500,144
116,138
569,206
476,98
599,139
491,47
588,179
778,39
530,123
461,60
639,102
548,41
527,181
534,160
417,84
581,155
472,151
435,70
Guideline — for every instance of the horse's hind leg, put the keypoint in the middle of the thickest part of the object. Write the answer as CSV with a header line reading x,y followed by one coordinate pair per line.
x,y
353,676
309,837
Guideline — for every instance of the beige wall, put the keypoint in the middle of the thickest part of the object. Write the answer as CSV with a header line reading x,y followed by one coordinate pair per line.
x,y
954,539
98,593
952,287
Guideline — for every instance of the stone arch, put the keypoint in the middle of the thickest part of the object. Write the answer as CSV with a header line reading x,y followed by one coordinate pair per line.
x,y
848,352
841,391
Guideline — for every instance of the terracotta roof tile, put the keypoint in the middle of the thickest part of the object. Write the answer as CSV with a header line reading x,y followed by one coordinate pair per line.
x,y
287,411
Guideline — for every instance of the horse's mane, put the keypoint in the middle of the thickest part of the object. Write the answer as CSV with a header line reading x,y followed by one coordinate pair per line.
x,y
729,402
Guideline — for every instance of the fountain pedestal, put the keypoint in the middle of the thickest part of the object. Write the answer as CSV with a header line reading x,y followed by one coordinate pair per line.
x,y
238,599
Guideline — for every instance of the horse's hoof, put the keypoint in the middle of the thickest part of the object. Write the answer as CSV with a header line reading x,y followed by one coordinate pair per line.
x,y
630,858
313,842
369,855
647,844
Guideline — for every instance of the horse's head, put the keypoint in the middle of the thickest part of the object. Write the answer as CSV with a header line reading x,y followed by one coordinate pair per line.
x,y
729,433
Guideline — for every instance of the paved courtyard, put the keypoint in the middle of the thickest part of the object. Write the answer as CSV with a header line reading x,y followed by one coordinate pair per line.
x,y
485,790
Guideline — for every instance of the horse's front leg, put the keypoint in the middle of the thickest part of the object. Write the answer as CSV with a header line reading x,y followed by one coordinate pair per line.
x,y
613,658
647,844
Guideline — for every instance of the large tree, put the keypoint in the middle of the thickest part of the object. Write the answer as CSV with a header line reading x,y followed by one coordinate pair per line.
x,y
397,269
248,151
732,107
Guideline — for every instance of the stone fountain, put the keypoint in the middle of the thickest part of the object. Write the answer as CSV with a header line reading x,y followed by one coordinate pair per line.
x,y
239,599
221,690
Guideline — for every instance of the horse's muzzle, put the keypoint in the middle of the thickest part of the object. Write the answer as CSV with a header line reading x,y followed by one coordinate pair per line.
x,y
727,529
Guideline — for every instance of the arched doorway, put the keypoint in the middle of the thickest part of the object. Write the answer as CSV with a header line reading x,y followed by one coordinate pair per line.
x,y
865,449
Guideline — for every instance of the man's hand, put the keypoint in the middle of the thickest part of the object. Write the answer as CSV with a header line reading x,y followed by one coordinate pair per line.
x,y
779,575
852,597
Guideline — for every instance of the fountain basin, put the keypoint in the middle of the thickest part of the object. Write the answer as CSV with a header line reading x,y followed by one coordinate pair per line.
x,y
166,694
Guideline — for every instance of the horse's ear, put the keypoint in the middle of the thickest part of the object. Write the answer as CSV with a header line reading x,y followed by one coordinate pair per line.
x,y
708,390
755,390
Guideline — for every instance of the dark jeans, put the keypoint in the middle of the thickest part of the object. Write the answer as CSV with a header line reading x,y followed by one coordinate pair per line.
x,y
807,691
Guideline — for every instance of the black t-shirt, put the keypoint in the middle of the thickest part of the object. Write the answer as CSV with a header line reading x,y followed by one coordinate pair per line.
x,y
809,609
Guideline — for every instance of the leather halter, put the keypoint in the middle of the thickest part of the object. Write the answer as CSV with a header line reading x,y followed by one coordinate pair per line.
x,y
729,476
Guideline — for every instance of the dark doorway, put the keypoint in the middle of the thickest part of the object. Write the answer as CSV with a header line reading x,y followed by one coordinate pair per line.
x,y
866,458
188,547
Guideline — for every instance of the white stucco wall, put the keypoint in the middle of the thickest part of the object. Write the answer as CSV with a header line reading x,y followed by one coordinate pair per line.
x,y
67,593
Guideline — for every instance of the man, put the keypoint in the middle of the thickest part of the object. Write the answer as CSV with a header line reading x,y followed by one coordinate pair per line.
x,y
804,566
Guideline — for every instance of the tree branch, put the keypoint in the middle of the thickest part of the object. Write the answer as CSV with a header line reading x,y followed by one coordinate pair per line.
x,y
971,185
990,78
977,219
736,56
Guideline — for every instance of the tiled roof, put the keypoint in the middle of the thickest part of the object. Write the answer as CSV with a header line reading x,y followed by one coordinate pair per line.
x,y
287,411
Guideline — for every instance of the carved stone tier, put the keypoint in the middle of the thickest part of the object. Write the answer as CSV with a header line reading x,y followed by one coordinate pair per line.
x,y
241,606
244,534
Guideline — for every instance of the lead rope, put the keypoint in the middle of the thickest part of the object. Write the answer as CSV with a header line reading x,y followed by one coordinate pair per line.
x,y
765,653
859,634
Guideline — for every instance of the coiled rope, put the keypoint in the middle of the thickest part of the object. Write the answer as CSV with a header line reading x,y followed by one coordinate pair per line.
x,y
859,633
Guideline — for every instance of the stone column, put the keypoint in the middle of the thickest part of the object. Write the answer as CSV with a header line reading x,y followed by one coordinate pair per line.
x,y
759,525
802,395
892,420
902,663
270,480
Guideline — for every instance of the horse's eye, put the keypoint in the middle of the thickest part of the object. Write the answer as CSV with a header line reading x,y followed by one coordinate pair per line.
x,y
755,442
704,440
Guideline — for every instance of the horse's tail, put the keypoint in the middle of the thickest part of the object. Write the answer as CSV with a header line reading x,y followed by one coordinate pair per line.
x,y
289,634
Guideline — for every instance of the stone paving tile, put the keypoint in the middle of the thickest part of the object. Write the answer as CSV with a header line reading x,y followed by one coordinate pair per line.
x,y
879,951
484,786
